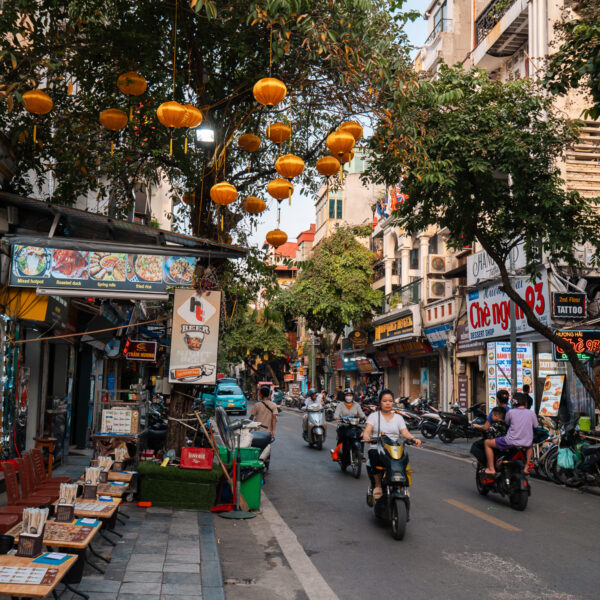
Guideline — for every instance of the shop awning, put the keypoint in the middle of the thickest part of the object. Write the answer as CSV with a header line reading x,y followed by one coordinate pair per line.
x,y
37,223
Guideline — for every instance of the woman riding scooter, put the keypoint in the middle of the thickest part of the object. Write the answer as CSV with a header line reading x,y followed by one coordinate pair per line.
x,y
347,408
384,422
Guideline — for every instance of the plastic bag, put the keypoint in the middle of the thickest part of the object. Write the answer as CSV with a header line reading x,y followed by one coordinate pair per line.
x,y
566,458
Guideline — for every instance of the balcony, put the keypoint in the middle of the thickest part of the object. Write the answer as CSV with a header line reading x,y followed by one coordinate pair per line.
x,y
500,30
379,274
403,296
440,26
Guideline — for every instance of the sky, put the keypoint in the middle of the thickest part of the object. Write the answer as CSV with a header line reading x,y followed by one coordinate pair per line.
x,y
299,216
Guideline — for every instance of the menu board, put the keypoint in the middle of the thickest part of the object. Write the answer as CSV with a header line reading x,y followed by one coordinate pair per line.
x,y
34,266
553,388
499,368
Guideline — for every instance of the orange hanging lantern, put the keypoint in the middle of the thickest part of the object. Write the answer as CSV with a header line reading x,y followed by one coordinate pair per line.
x,y
113,119
253,205
277,238
328,166
269,91
37,103
347,157
132,83
280,189
249,142
352,127
340,143
278,133
191,119
171,114
289,166
223,193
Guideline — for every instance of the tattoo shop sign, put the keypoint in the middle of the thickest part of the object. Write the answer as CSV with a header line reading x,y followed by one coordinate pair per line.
x,y
195,337
488,308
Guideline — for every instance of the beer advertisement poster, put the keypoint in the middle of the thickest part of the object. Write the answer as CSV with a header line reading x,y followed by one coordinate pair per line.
x,y
195,337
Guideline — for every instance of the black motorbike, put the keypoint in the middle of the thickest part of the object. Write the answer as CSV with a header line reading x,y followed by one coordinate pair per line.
x,y
394,504
581,465
457,424
510,479
350,431
157,423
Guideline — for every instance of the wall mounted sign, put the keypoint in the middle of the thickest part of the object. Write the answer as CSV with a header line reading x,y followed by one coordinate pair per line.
x,y
33,266
464,343
140,350
480,267
586,342
488,308
499,368
438,336
398,326
569,305
358,338
195,337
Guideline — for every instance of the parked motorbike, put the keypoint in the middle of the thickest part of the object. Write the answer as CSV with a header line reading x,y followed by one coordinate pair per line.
x,y
510,480
351,452
157,423
330,406
457,424
578,462
314,430
431,421
394,505
412,419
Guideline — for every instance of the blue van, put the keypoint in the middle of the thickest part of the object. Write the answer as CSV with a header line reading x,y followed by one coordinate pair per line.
x,y
227,394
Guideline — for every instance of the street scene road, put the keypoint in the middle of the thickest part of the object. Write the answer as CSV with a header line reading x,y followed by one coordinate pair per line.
x,y
458,544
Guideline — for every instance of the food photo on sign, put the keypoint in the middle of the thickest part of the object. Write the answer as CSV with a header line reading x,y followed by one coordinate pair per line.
x,y
195,337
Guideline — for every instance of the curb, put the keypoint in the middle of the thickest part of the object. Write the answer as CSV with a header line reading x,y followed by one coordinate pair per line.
x,y
210,564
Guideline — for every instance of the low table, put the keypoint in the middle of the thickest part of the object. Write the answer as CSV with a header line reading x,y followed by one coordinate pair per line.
x,y
109,489
33,590
124,476
105,511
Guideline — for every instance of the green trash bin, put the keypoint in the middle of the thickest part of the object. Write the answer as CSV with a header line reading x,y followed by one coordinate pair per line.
x,y
585,423
250,483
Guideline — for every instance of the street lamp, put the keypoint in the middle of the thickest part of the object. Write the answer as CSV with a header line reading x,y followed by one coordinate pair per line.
x,y
205,135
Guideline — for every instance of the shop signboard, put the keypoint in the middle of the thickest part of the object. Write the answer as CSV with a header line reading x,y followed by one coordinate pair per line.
x,y
410,348
464,345
499,368
569,305
288,377
438,336
140,350
463,391
383,360
194,337
481,267
33,266
586,342
366,365
553,388
488,308
402,325
548,366
358,338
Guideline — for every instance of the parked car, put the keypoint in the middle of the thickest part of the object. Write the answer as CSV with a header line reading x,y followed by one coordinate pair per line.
x,y
227,394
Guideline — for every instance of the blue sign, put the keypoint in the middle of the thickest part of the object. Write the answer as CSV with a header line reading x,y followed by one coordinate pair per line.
x,y
438,336
110,381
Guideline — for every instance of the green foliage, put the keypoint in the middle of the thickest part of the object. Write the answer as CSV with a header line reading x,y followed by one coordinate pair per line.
x,y
334,286
577,61
456,141
333,56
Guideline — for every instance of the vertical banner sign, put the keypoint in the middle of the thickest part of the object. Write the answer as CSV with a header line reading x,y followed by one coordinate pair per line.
x,y
463,391
553,389
499,368
195,337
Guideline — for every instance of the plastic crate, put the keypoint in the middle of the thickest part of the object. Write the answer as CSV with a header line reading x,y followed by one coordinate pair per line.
x,y
196,458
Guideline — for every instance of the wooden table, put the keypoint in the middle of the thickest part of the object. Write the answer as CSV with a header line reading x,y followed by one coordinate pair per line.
x,y
124,476
108,513
109,489
32,591
55,541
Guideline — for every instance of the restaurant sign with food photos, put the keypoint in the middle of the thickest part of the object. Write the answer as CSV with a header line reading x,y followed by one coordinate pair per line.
x,y
194,337
33,266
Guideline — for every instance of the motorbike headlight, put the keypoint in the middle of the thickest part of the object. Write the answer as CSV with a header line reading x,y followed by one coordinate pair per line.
x,y
397,477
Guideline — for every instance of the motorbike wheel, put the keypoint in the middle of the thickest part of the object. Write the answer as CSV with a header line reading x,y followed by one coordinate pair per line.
x,y
550,465
428,429
343,465
399,518
481,488
446,435
319,444
569,477
356,462
519,500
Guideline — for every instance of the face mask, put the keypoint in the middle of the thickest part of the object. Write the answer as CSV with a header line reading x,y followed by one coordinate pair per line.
x,y
348,399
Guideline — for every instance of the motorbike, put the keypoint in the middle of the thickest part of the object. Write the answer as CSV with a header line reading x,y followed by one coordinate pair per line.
x,y
351,452
394,505
431,422
457,424
578,462
412,419
330,406
510,480
157,423
315,429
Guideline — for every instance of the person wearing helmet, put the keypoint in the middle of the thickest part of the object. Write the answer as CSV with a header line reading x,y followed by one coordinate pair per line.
x,y
347,408
311,399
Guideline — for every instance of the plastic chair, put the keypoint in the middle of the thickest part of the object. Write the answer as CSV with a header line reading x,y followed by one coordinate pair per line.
x,y
40,470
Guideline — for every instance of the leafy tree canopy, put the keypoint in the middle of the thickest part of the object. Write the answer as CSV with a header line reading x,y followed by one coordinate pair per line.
x,y
334,289
479,157
335,58
577,61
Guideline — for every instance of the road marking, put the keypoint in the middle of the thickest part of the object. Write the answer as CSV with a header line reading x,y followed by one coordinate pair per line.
x,y
482,515
312,581
287,428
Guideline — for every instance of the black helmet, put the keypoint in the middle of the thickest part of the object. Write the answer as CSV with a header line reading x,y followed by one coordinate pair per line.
x,y
311,392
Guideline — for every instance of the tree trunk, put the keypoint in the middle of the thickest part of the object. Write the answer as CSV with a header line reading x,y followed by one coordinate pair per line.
x,y
179,406
336,375
536,324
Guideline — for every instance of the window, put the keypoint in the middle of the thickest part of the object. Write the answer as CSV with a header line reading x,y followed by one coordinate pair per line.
x,y
433,245
439,19
414,258
332,208
338,213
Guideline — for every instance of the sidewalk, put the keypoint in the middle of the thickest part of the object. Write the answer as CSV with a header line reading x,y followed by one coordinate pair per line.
x,y
164,554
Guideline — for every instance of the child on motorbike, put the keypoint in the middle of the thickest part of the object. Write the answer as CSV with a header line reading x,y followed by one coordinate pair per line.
x,y
521,425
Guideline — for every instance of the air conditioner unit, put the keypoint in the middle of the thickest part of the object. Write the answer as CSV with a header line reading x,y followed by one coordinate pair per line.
x,y
436,264
437,289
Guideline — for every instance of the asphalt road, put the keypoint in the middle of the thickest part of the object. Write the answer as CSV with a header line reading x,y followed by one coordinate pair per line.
x,y
458,544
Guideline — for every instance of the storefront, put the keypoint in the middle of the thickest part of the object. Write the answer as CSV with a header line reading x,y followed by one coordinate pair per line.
x,y
469,369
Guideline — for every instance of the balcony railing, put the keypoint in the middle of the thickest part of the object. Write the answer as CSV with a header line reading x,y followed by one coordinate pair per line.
x,y
490,16
442,25
403,296
379,270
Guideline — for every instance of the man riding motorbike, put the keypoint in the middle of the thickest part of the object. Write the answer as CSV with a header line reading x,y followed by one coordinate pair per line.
x,y
477,448
384,422
348,408
311,398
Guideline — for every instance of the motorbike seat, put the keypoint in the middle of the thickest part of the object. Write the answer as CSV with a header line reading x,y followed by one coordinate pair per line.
x,y
590,450
261,439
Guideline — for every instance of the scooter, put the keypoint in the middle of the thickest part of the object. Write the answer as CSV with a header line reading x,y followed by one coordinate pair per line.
x,y
457,424
330,406
394,505
314,430
578,461
351,452
510,479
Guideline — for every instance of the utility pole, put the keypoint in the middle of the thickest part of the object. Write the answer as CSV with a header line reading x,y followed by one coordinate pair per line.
x,y
313,362
513,333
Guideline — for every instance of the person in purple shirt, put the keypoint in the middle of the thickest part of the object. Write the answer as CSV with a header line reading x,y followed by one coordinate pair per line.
x,y
521,422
